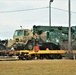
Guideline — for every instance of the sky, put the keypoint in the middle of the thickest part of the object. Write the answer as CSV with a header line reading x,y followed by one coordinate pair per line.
x,y
35,12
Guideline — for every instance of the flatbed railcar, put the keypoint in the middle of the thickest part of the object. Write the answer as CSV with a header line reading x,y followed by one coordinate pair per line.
x,y
44,54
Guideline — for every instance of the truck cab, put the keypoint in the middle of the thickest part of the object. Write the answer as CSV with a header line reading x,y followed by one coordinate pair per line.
x,y
22,35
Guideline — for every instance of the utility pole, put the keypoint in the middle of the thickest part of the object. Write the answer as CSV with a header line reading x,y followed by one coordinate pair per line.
x,y
50,12
69,37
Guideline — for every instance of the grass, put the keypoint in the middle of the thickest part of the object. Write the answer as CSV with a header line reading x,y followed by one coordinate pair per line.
x,y
38,67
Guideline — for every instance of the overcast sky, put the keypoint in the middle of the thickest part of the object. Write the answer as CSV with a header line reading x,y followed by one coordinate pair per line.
x,y
10,21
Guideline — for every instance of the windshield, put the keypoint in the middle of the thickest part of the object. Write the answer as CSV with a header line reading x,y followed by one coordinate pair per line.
x,y
18,33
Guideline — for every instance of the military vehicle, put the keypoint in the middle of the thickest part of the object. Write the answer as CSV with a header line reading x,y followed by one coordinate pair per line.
x,y
41,35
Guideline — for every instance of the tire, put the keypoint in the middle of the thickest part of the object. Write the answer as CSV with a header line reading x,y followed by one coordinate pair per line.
x,y
29,46
2,47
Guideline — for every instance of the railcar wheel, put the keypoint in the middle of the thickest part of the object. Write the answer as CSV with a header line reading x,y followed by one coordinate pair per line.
x,y
59,56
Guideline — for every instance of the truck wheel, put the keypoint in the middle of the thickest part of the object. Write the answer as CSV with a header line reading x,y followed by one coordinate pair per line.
x,y
2,47
29,46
